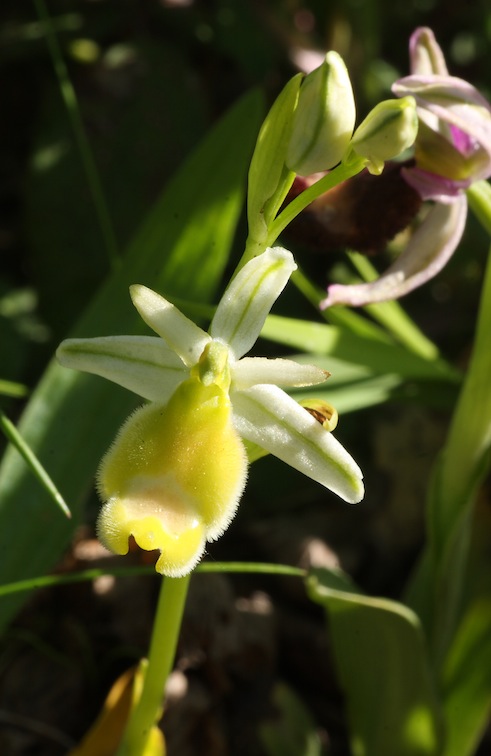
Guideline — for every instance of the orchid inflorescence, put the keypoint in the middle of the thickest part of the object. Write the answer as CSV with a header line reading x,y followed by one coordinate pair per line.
x,y
176,472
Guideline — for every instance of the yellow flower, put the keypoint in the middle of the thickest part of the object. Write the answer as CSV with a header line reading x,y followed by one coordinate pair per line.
x,y
176,471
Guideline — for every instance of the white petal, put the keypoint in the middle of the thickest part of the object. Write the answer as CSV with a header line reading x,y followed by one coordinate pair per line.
x,y
143,364
241,312
251,370
270,418
183,336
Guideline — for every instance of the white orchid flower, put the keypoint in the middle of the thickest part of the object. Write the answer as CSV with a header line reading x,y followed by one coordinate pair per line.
x,y
177,469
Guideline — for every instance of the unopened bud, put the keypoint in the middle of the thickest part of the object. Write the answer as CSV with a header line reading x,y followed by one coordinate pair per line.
x,y
388,130
324,118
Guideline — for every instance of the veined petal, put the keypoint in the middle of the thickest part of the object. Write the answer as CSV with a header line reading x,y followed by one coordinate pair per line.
x,y
241,312
183,336
251,370
270,418
429,249
142,364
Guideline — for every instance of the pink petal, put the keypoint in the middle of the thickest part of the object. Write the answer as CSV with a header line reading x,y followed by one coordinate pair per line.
x,y
428,251
425,53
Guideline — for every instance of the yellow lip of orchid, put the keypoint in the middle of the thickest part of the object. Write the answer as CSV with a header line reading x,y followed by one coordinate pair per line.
x,y
176,471
173,477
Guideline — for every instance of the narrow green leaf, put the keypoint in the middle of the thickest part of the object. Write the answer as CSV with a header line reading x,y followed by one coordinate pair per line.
x,y
349,397
380,656
466,681
292,732
372,355
436,590
71,103
13,389
182,249
392,316
13,435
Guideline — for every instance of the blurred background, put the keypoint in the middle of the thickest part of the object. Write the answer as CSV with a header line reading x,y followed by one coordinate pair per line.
x,y
151,79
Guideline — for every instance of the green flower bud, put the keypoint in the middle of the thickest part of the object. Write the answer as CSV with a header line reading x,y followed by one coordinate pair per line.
x,y
388,130
324,118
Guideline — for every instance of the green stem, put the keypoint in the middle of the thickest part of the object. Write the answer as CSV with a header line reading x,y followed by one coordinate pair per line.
x,y
165,635
339,174
329,181
70,99
479,197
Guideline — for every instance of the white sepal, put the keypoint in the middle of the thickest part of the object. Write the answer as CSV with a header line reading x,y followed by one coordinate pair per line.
x,y
251,370
241,312
270,418
142,364
183,336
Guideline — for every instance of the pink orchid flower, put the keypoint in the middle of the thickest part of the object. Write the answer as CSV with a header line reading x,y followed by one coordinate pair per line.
x,y
452,151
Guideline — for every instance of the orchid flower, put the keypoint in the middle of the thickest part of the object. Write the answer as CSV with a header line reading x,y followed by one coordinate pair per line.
x,y
452,151
177,469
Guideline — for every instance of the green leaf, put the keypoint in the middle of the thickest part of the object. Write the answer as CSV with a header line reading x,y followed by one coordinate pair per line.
x,y
292,732
13,435
349,397
130,167
10,388
381,659
182,249
364,371
392,316
466,681
373,356
436,590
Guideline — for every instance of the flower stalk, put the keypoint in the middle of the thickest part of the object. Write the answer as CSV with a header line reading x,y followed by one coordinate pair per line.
x,y
165,635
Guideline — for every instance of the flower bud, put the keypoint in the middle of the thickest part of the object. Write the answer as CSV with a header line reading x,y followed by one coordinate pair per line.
x,y
324,118
388,130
